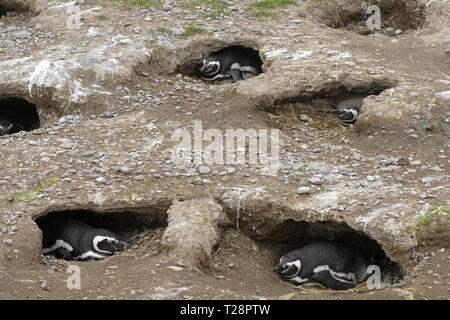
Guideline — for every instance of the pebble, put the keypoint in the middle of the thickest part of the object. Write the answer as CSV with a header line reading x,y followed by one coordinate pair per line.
x,y
8,242
204,169
44,286
315,180
304,190
88,154
107,115
305,118
371,178
427,180
100,180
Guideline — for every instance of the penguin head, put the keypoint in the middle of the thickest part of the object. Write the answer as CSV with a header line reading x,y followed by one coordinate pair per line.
x,y
288,269
211,66
347,115
5,127
107,242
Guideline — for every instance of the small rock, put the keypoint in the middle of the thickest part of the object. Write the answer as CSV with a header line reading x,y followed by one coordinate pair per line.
x,y
305,118
44,286
304,190
107,115
204,169
315,180
356,156
88,154
427,180
100,180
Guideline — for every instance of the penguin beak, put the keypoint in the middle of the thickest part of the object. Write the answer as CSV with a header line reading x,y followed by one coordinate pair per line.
x,y
281,269
122,245
205,68
287,271
336,112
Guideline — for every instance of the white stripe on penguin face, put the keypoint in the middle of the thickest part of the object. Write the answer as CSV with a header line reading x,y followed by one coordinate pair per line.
x,y
98,239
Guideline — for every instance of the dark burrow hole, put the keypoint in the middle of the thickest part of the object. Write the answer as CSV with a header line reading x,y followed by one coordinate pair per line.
x,y
11,8
394,15
16,115
126,225
247,56
292,235
327,100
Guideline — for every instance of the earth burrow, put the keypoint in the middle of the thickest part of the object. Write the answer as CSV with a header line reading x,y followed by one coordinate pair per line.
x,y
137,227
396,17
291,235
17,114
11,6
332,96
188,61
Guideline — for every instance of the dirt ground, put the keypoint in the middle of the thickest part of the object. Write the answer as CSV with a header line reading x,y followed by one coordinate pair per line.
x,y
242,267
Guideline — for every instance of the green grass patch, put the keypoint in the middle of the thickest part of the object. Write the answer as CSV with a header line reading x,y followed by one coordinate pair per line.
x,y
102,17
163,30
212,15
128,4
265,8
271,4
420,226
263,14
192,30
25,195
213,4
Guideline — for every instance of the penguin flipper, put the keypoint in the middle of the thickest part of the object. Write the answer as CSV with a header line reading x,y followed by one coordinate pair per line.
x,y
62,253
236,74
327,280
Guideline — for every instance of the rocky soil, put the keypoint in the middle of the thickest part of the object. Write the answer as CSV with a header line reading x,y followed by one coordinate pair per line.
x,y
111,94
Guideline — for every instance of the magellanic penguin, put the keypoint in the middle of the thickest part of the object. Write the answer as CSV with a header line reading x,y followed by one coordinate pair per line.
x,y
5,127
326,264
347,114
71,239
231,64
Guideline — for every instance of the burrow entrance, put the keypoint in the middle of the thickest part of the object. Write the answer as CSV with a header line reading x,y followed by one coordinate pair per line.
x,y
319,104
11,6
132,227
17,114
191,67
291,235
396,16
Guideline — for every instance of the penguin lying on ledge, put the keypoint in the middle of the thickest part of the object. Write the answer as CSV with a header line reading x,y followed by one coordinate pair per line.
x,y
231,64
70,239
326,264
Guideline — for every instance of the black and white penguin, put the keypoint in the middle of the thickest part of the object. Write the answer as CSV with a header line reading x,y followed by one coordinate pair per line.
x,y
5,127
326,264
71,239
347,114
231,64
